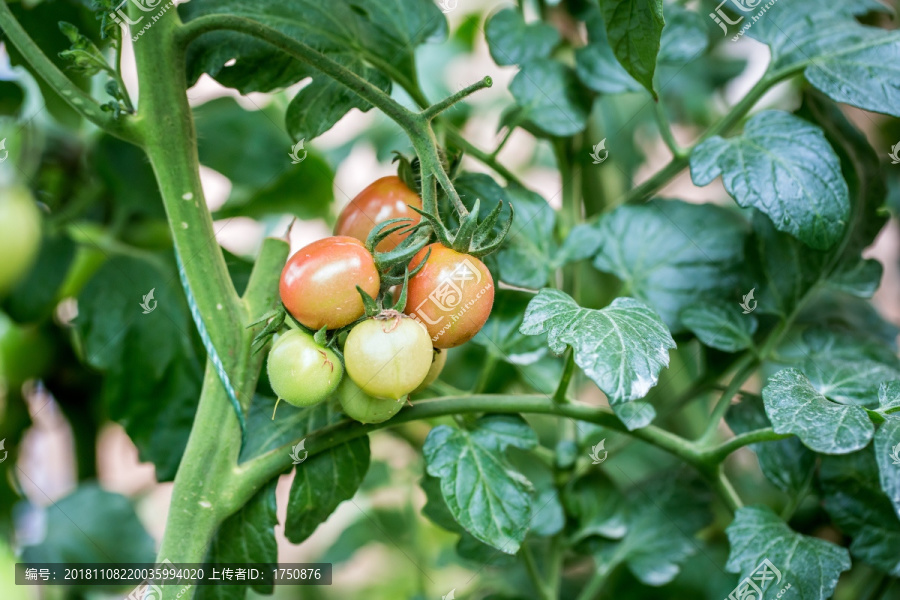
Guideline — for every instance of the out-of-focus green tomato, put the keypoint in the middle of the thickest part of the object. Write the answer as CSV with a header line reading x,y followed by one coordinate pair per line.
x,y
20,234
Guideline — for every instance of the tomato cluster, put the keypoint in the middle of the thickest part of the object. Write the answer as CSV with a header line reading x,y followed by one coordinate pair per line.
x,y
387,354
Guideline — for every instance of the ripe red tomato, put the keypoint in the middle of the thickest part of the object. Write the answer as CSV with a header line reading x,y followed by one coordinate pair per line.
x,y
386,198
301,372
388,358
452,295
318,283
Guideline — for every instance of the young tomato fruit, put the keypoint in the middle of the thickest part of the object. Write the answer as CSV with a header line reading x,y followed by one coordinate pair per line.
x,y
20,235
388,357
357,405
438,360
301,372
452,295
318,283
386,198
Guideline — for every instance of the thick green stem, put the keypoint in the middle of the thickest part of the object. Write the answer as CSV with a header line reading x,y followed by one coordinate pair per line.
x,y
726,491
463,144
166,124
719,453
256,472
77,98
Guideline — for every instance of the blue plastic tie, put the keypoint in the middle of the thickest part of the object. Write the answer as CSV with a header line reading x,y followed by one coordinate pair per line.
x,y
210,348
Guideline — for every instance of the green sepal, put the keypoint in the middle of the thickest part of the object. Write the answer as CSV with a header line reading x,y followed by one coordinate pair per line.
x,y
443,235
274,320
498,241
486,227
368,302
462,241
400,304
384,229
320,337
402,254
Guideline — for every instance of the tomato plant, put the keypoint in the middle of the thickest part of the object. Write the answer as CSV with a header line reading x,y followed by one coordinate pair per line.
x,y
659,239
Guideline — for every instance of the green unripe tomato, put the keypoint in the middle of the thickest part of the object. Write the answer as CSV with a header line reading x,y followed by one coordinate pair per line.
x,y
358,405
301,372
388,356
20,235
438,360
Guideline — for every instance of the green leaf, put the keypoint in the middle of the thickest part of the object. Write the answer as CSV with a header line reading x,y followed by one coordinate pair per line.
x,y
151,362
720,326
634,28
794,406
513,42
887,453
486,496
622,347
247,536
550,97
812,566
848,381
597,507
671,254
852,498
787,463
849,62
784,269
581,243
500,335
662,517
384,34
860,278
264,181
318,106
35,296
321,483
525,257
127,173
77,530
684,36
596,64
887,442
547,517
784,167
290,425
635,415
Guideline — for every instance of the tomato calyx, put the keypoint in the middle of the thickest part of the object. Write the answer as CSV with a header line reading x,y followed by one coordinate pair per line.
x,y
473,237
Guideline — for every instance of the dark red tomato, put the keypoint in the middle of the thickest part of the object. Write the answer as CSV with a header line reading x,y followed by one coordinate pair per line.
x,y
452,295
318,283
386,198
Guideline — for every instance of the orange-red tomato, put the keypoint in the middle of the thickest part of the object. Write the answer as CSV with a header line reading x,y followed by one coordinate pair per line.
x,y
318,283
384,199
452,295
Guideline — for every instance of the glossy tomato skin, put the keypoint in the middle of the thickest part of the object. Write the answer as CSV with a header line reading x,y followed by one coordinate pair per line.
x,y
438,360
384,199
300,371
318,283
388,358
452,295
358,405
20,235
